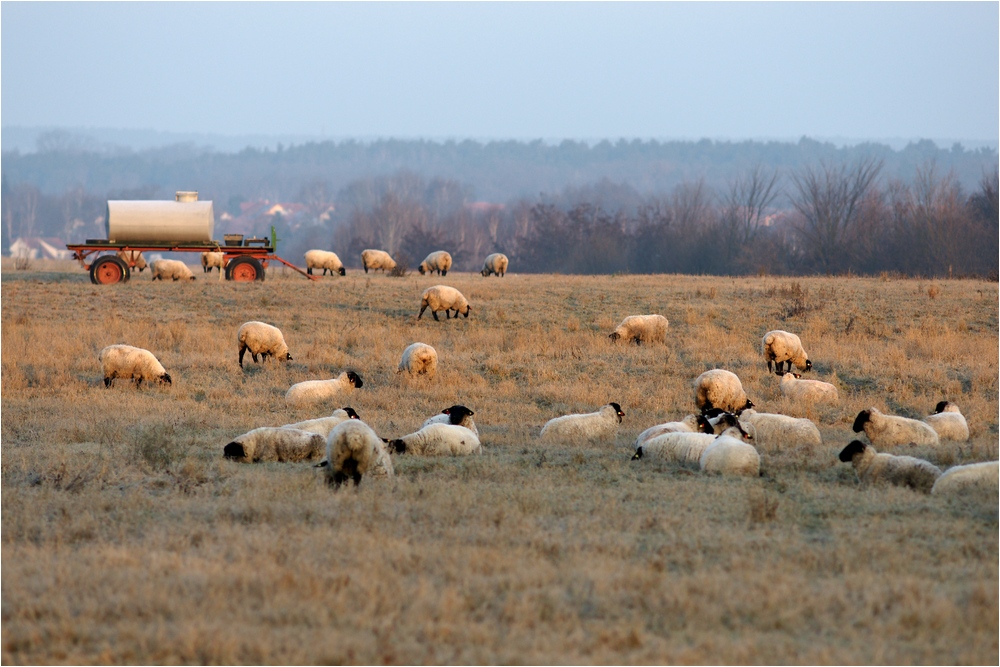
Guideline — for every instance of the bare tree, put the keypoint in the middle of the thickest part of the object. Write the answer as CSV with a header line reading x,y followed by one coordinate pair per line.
x,y
744,205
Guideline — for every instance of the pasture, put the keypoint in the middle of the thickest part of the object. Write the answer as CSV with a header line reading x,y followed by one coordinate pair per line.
x,y
127,538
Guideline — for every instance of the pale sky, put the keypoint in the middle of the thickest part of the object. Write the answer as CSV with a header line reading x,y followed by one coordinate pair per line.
x,y
507,70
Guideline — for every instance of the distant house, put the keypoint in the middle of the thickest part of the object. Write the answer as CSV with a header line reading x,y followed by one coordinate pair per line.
x,y
34,247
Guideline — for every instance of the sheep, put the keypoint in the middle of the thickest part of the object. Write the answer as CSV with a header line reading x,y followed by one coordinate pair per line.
x,y
262,339
888,430
438,440
782,347
316,391
213,260
809,391
495,264
948,421
458,415
690,424
678,447
771,430
377,259
323,259
442,297
439,261
172,269
273,443
872,467
125,361
722,389
353,450
732,454
640,329
324,425
593,426
960,480
132,257
419,359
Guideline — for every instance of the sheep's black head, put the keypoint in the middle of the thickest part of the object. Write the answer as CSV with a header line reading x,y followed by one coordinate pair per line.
x,y
355,379
809,365
468,309
614,336
618,411
457,413
165,379
638,454
422,268
192,278
859,422
342,271
351,414
746,406
712,413
234,451
704,426
848,453
727,420
397,446
940,407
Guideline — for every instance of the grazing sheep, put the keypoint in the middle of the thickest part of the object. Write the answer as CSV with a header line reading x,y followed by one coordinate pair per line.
x,y
721,389
262,339
419,359
949,422
807,391
458,415
495,264
593,426
135,363
732,454
683,448
973,477
272,443
872,467
353,450
782,347
171,268
324,425
439,261
316,391
326,260
213,260
781,431
640,329
442,297
889,430
438,440
131,257
690,424
377,259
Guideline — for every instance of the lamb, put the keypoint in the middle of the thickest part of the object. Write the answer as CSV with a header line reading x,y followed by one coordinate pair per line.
x,y
690,424
442,297
262,339
132,258
125,361
678,447
324,425
807,391
324,259
771,430
593,426
317,391
889,430
872,467
270,443
438,440
419,359
495,264
640,329
782,347
949,422
213,260
719,388
171,268
377,259
353,450
960,480
732,454
458,415
439,261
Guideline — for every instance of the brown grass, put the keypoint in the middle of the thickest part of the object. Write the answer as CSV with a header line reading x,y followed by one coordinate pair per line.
x,y
126,538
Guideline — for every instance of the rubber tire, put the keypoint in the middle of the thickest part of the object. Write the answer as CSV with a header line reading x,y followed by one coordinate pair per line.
x,y
108,270
244,269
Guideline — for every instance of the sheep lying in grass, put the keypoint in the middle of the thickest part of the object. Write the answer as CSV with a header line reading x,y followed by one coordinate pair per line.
x,y
438,440
872,467
721,389
781,431
352,451
889,431
377,259
807,391
324,259
592,426
171,269
971,478
495,264
458,415
640,329
133,363
439,261
677,447
213,260
262,339
131,257
419,359
317,391
274,443
782,347
732,454
442,297
323,425
690,424
949,422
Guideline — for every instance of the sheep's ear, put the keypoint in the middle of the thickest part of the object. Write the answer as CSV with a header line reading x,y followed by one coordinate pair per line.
x,y
848,453
446,411
638,454
704,426
861,420
798,376
940,407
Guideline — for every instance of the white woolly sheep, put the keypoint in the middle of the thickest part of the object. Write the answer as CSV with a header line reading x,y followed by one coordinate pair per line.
x,y
442,297
354,450
439,261
272,443
781,431
326,260
323,425
872,467
377,259
495,264
732,454
132,257
134,363
888,430
807,391
262,339
419,359
592,426
172,269
782,347
949,422
213,260
690,424
721,389
317,391
973,477
438,440
678,447
458,415
640,329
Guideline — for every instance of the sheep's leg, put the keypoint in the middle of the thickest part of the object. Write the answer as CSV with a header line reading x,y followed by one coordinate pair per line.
x,y
107,381
422,309
243,349
356,477
309,270
435,314
769,366
253,355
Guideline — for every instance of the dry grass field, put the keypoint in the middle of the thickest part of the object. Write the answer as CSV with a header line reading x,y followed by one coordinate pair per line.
x,y
127,538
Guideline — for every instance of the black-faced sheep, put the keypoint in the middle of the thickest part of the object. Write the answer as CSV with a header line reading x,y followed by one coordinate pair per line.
x,y
949,422
438,440
354,450
418,359
439,261
262,339
807,391
326,260
640,329
872,467
889,431
458,415
377,259
172,269
323,425
317,391
732,454
592,426
967,479
442,297
213,260
495,264
275,443
133,363
782,347
721,389
133,258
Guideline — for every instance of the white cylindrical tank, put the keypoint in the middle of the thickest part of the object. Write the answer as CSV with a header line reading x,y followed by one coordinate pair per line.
x,y
185,220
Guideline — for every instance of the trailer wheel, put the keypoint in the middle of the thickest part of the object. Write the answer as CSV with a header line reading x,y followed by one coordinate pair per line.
x,y
108,270
244,270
